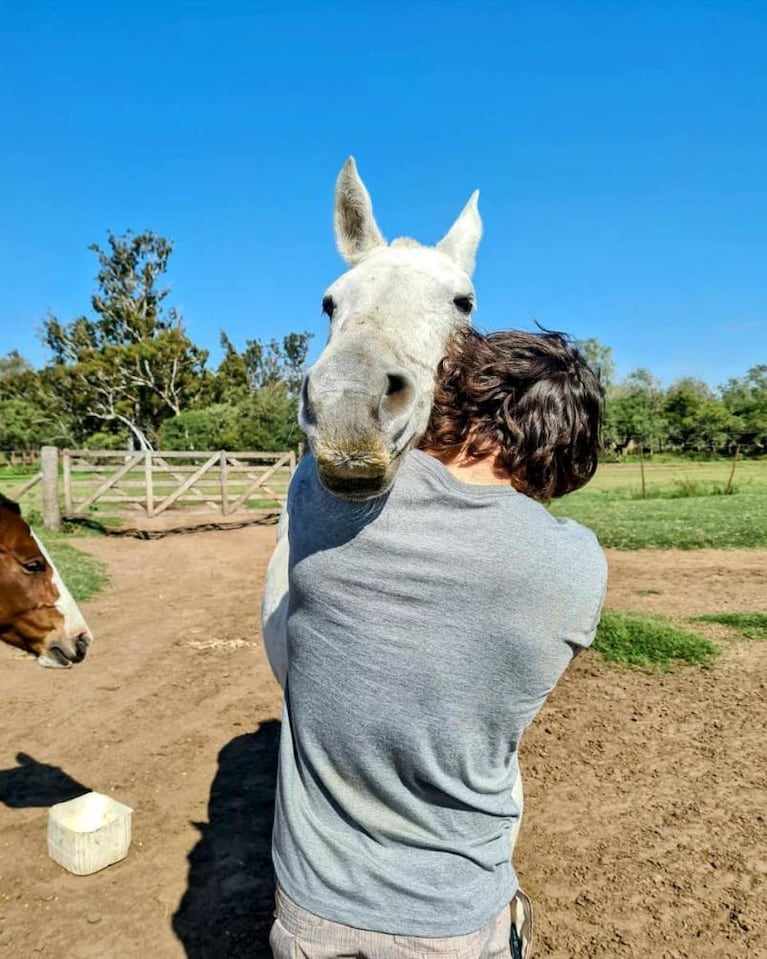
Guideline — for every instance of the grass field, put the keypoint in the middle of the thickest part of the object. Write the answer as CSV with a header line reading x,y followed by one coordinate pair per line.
x,y
84,576
685,506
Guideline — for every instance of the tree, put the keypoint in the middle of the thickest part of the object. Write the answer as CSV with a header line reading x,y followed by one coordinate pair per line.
x,y
131,365
16,376
256,393
746,400
21,426
270,363
634,412
697,419
231,382
267,419
599,357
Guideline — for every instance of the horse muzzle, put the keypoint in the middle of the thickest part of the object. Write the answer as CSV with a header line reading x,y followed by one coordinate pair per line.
x,y
356,471
62,653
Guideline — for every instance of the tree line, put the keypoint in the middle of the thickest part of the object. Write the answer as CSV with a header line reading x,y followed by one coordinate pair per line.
x,y
127,375
686,417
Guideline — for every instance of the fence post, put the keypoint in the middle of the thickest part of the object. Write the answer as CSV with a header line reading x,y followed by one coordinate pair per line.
x,y
223,477
49,466
66,473
728,487
148,483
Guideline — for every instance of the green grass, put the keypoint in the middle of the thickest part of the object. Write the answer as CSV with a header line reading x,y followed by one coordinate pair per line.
x,y
746,625
685,506
650,642
85,576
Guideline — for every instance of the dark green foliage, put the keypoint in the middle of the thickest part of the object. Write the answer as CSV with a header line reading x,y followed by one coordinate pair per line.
x,y
267,419
211,428
24,426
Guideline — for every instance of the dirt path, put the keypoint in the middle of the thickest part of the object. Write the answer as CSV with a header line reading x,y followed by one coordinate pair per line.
x,y
645,829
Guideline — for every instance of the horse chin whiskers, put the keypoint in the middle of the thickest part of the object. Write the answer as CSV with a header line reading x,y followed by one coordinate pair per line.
x,y
352,460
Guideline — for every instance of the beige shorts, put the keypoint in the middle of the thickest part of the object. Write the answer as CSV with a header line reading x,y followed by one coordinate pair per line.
x,y
298,934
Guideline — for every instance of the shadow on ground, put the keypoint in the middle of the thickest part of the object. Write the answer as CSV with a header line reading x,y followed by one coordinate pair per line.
x,y
32,783
227,909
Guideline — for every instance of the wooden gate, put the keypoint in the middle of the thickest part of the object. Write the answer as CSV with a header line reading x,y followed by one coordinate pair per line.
x,y
13,460
162,489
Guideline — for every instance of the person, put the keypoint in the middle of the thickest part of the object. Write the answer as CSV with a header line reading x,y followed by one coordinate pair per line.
x,y
425,631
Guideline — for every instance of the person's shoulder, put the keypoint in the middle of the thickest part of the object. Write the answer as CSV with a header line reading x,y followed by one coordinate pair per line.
x,y
304,467
304,477
576,533
579,547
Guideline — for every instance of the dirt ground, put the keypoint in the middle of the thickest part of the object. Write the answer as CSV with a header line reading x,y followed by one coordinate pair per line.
x,y
645,829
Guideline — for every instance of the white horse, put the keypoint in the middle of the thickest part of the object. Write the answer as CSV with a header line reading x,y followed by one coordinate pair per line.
x,y
367,399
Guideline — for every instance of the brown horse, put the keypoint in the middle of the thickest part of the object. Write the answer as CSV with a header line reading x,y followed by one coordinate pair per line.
x,y
37,612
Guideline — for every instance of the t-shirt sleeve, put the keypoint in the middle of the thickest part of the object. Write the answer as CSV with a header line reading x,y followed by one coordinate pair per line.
x,y
590,585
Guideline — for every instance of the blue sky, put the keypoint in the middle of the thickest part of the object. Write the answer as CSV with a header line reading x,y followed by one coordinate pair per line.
x,y
620,149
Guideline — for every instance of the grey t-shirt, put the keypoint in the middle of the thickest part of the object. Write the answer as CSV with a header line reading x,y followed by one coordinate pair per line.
x,y
425,632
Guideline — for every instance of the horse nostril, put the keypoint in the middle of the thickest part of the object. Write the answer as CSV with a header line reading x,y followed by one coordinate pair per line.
x,y
82,643
399,395
395,383
59,655
307,413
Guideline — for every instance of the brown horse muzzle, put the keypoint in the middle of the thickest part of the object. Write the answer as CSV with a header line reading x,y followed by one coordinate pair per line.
x,y
63,651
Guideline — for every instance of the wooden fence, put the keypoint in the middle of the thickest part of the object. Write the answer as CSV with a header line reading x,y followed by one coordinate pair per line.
x,y
157,490
13,460
27,486
184,488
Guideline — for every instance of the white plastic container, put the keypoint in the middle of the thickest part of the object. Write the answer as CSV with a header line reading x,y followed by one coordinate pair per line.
x,y
88,833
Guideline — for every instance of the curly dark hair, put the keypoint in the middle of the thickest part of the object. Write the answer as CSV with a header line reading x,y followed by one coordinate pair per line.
x,y
530,399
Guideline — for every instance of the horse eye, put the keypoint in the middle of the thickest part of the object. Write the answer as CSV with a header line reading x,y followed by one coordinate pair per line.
x,y
465,304
328,306
34,566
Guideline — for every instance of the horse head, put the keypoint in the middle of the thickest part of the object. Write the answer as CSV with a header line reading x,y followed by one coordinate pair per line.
x,y
37,611
367,399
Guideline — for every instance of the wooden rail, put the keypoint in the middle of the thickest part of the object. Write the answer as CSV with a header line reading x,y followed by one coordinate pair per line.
x,y
150,484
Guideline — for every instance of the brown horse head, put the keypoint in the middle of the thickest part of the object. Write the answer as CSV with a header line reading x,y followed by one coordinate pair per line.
x,y
37,611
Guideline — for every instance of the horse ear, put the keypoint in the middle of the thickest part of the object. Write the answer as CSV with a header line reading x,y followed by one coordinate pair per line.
x,y
462,239
10,505
356,230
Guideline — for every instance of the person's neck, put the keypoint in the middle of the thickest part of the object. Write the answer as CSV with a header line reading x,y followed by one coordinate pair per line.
x,y
475,472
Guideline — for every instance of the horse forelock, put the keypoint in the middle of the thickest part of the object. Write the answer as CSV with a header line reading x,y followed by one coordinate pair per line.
x,y
406,242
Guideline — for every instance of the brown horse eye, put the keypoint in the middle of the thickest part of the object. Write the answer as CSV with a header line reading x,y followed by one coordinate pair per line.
x,y
328,306
34,566
465,304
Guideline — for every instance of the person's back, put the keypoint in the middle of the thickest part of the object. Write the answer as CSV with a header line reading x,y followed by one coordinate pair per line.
x,y
424,633
423,639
